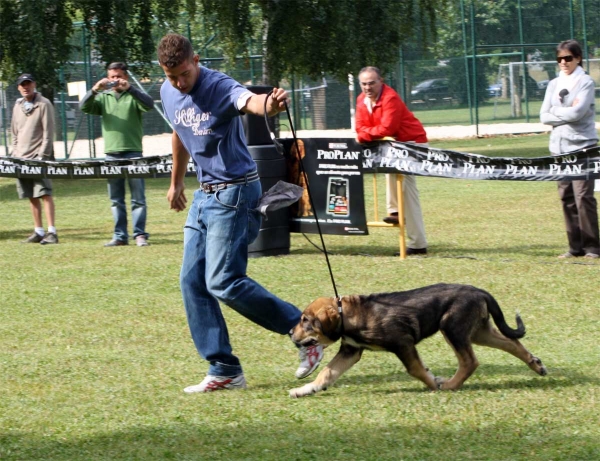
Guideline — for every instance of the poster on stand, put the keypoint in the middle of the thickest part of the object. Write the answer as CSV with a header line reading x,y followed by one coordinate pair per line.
x,y
334,171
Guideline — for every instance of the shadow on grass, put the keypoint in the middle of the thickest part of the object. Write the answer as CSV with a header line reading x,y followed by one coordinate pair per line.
x,y
416,436
498,252
16,234
64,234
521,378
96,234
68,188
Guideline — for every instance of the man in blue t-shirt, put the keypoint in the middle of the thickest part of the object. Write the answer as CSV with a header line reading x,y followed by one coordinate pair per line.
x,y
204,108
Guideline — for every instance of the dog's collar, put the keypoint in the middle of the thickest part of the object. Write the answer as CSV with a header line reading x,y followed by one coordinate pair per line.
x,y
341,314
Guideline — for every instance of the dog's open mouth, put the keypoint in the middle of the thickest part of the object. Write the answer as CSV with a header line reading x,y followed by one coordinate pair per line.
x,y
307,342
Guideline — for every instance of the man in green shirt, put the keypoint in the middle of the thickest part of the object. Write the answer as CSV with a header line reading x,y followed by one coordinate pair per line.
x,y
121,107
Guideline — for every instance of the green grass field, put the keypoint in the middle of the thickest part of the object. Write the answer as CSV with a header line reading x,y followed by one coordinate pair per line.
x,y
489,112
95,350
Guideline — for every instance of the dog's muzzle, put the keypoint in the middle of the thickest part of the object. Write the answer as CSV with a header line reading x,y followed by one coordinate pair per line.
x,y
306,342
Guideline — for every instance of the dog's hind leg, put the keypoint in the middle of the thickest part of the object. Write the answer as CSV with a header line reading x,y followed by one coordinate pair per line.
x,y
343,361
467,362
409,356
490,337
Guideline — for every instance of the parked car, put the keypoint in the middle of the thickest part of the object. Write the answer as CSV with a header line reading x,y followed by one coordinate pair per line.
x,y
495,90
430,91
535,89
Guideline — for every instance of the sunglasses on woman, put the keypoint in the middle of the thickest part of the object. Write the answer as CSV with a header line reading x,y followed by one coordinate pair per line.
x,y
566,58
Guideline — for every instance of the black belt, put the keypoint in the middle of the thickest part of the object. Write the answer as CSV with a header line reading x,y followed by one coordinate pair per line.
x,y
212,188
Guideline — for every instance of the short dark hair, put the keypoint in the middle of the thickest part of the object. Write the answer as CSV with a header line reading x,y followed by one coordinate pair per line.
x,y
573,47
173,50
117,65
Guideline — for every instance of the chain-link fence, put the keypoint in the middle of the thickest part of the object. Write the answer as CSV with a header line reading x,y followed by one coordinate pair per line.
x,y
497,71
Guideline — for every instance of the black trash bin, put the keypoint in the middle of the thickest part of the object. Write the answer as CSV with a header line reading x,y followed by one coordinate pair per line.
x,y
254,126
274,235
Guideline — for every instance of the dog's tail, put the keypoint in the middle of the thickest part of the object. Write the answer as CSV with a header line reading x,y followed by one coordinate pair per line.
x,y
496,313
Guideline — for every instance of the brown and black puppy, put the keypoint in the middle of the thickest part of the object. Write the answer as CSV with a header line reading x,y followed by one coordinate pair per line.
x,y
396,322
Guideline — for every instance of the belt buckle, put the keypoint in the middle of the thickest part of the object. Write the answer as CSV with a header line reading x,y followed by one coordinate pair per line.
x,y
211,188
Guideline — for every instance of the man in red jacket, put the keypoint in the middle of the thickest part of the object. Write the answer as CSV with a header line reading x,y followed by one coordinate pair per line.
x,y
380,113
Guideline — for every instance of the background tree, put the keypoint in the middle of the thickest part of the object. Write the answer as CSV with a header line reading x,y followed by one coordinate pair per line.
x,y
313,37
34,34
122,30
34,38
309,37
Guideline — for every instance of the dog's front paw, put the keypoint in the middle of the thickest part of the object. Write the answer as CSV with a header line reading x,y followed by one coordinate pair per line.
x,y
536,365
439,382
303,391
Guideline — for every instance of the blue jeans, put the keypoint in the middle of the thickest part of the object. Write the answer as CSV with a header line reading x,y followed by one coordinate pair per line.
x,y
116,193
218,230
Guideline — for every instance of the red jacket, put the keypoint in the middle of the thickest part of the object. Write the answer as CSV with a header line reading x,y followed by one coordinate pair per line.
x,y
390,117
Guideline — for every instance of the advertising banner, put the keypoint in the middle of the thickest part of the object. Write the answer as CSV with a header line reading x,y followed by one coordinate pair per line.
x,y
348,160
143,167
334,171
405,158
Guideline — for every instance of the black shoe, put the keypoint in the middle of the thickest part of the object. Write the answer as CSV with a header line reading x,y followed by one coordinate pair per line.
x,y
391,219
116,243
49,238
413,251
33,238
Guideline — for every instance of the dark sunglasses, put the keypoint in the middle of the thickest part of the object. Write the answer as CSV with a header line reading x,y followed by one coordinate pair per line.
x,y
566,58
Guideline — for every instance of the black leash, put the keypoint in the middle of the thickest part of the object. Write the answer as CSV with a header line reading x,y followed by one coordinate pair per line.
x,y
280,149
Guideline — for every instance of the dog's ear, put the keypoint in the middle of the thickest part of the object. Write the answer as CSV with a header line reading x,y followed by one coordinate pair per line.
x,y
316,325
328,318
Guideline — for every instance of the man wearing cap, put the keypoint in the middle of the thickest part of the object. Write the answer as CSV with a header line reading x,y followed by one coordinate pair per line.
x,y
32,138
121,107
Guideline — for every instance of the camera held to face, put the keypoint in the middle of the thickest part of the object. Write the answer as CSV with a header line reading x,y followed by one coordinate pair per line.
x,y
111,84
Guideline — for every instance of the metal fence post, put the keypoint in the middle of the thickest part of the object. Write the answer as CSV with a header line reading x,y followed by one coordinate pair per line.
x,y
402,82
523,59
571,19
3,115
585,45
474,46
63,117
87,63
465,56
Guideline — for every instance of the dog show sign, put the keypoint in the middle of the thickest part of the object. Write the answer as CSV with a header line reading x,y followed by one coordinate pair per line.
x,y
334,171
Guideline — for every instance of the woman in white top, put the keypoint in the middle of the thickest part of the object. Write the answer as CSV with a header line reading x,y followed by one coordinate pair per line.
x,y
569,106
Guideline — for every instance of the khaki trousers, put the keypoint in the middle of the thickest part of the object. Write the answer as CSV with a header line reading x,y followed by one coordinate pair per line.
x,y
415,227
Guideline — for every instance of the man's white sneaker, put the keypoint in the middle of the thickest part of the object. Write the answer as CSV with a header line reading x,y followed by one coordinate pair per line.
x,y
310,357
218,383
141,241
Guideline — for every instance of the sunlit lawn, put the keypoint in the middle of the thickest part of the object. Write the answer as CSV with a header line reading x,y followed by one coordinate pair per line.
x,y
95,351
